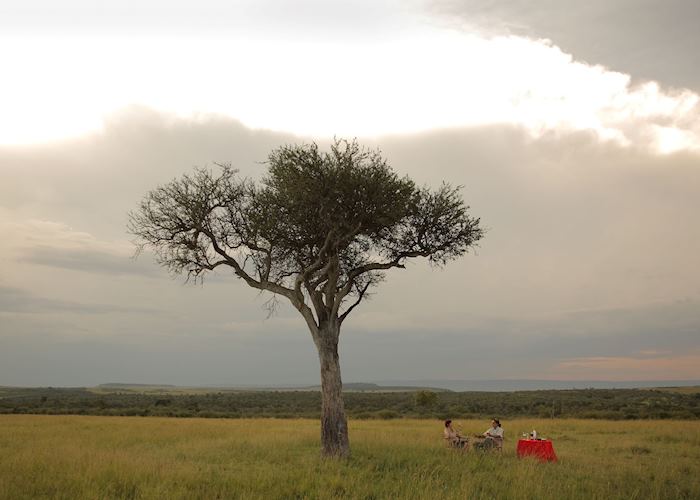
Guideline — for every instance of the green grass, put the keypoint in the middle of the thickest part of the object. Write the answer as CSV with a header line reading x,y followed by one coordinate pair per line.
x,y
129,457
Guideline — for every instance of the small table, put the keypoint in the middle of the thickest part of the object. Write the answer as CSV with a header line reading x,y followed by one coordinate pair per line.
x,y
539,448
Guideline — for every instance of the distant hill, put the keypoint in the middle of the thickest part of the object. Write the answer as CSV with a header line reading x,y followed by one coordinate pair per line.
x,y
349,387
369,387
418,385
116,385
538,385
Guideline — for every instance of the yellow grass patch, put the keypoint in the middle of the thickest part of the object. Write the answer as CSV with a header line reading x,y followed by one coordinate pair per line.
x,y
131,457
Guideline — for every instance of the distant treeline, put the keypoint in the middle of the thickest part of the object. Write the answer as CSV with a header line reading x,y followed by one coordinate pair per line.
x,y
580,403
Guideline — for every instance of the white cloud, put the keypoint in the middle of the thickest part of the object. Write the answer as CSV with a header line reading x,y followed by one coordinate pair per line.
x,y
421,78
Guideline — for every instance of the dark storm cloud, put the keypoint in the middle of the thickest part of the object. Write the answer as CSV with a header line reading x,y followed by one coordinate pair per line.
x,y
672,328
509,347
649,39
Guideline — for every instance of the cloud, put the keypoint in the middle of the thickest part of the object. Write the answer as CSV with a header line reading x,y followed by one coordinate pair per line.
x,y
15,300
683,367
208,18
424,77
90,261
43,233
524,346
653,353
589,254
54,244
644,38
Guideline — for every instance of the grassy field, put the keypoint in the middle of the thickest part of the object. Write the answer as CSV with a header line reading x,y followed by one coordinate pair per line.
x,y
131,457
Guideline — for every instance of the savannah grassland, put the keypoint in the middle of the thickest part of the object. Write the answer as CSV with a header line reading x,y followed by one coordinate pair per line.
x,y
133,457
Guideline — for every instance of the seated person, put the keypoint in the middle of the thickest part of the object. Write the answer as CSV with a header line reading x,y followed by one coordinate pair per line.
x,y
453,438
493,436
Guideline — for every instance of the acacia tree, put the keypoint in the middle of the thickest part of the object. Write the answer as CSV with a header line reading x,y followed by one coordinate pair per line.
x,y
320,229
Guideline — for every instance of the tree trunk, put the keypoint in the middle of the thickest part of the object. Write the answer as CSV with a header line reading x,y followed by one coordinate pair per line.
x,y
334,425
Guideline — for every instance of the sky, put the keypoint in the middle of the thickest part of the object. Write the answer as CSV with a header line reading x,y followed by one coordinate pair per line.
x,y
574,129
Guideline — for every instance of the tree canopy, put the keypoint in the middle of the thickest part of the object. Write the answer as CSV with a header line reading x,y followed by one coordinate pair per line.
x,y
320,229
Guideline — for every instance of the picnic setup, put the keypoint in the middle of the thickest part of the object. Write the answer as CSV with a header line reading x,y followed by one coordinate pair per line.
x,y
538,448
531,445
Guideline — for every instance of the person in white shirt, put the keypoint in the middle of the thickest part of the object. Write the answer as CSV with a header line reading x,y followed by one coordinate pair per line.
x,y
494,436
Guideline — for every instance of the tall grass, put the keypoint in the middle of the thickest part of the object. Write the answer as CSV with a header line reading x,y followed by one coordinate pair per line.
x,y
129,457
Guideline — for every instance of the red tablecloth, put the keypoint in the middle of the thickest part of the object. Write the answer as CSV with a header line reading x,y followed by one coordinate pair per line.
x,y
541,449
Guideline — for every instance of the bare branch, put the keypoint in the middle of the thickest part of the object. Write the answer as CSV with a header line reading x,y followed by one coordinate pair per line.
x,y
360,295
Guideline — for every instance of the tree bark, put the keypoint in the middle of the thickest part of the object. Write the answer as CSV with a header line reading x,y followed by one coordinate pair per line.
x,y
334,424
